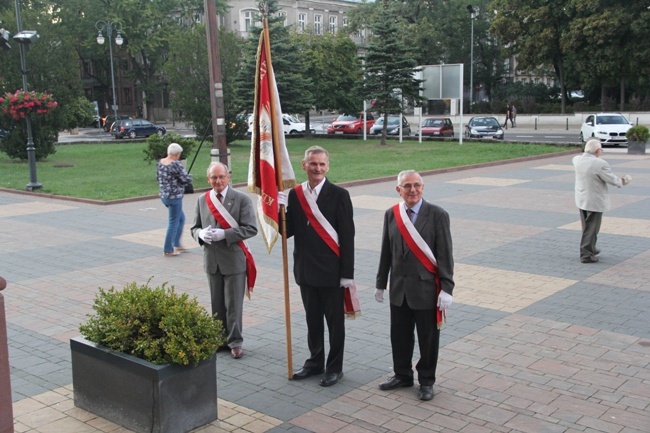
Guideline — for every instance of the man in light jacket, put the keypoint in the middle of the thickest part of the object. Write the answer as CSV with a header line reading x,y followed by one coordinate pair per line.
x,y
592,176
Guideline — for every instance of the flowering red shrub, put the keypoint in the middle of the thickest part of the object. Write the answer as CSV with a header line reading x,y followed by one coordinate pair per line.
x,y
20,104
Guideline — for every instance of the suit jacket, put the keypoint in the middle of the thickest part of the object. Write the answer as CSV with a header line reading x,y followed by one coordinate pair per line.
x,y
226,256
592,176
314,263
409,279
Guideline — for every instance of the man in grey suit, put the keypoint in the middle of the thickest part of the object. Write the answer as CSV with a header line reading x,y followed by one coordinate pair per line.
x,y
592,176
416,251
224,219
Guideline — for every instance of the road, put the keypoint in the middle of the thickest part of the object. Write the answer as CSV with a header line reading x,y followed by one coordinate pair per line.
x,y
511,134
85,135
547,135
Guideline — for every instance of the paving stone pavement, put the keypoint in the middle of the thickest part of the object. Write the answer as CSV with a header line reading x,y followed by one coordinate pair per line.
x,y
535,342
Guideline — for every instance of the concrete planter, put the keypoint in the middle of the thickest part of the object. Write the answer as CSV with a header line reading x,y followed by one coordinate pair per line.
x,y
636,147
142,396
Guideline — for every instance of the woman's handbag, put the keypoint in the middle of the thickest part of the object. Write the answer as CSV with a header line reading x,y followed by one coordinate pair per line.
x,y
189,188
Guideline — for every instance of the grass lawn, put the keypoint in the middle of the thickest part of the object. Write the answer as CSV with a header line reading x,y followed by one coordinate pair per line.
x,y
109,171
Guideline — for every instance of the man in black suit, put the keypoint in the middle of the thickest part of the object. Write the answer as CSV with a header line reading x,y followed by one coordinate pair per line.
x,y
416,251
319,217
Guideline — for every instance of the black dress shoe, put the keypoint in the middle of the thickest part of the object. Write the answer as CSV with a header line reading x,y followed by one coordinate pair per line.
x,y
394,383
425,392
331,378
306,372
591,259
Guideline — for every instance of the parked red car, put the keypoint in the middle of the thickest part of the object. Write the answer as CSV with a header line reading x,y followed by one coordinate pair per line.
x,y
351,124
437,127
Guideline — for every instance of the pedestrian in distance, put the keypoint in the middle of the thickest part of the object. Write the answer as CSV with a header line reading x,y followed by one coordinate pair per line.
x,y
224,219
416,253
508,114
172,179
513,114
591,195
320,219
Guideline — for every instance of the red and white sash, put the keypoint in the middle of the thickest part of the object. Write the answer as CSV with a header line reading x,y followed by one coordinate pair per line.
x,y
226,221
327,233
420,250
317,219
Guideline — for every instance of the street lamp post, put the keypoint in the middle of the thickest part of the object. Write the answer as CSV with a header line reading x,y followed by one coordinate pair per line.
x,y
24,39
473,12
108,27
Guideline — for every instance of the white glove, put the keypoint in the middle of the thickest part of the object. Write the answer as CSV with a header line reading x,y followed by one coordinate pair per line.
x,y
218,234
379,295
444,300
346,282
282,199
626,179
206,234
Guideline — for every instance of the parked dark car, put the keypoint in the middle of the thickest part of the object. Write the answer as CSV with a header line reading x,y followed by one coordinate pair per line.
x,y
393,126
479,127
133,128
107,122
437,127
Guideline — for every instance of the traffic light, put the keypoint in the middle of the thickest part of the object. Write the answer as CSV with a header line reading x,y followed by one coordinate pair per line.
x,y
4,39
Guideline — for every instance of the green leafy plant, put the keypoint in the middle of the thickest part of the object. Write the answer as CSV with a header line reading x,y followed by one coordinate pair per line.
x,y
157,146
638,133
44,136
154,324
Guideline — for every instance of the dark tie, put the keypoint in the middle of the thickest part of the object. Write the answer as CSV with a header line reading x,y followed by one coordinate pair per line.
x,y
410,213
220,197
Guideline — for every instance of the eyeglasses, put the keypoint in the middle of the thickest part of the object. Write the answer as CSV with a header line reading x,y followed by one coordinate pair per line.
x,y
411,186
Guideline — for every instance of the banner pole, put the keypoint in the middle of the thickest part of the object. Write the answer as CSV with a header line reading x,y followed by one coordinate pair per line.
x,y
283,222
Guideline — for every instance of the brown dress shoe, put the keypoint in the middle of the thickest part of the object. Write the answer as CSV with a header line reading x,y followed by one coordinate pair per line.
x,y
237,352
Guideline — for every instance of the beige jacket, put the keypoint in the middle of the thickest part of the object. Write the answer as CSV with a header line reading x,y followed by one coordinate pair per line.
x,y
592,176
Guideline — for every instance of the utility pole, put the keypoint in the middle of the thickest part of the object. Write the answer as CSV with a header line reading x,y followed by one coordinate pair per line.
x,y
219,150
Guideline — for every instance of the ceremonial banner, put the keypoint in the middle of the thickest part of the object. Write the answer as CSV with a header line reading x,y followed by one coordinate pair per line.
x,y
269,155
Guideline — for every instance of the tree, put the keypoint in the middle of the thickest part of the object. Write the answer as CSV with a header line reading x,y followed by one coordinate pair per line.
x,y
389,67
289,66
188,75
334,68
440,33
598,39
534,31
48,70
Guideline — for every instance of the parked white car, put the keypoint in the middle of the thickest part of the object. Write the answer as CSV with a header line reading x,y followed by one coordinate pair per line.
x,y
609,128
291,125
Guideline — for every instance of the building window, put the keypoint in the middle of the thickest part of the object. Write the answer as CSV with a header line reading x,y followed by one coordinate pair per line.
x,y
283,14
302,22
247,20
87,68
332,27
318,24
126,93
345,21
